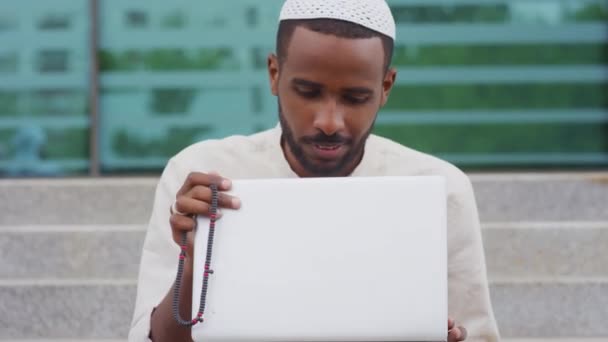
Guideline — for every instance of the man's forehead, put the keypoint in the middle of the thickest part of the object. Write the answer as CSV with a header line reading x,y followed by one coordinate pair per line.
x,y
306,42
314,56
372,14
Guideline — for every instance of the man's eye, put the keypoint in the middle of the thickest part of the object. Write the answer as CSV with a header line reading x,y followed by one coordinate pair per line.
x,y
355,99
309,94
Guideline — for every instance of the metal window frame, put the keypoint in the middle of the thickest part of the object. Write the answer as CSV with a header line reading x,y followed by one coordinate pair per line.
x,y
94,160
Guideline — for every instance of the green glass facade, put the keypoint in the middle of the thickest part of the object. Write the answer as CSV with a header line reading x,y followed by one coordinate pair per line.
x,y
485,84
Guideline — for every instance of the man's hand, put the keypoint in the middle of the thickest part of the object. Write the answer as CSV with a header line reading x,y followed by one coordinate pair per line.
x,y
455,333
194,198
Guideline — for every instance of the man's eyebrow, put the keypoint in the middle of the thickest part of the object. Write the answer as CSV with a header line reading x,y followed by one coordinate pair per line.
x,y
306,83
358,90
351,90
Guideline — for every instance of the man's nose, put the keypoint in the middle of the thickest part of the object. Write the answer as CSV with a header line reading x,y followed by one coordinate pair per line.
x,y
330,118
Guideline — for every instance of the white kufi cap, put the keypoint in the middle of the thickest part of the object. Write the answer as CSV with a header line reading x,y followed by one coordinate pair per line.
x,y
373,14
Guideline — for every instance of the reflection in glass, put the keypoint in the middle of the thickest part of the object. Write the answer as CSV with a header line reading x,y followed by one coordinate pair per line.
x,y
526,12
515,83
176,73
136,19
54,21
44,128
8,62
52,61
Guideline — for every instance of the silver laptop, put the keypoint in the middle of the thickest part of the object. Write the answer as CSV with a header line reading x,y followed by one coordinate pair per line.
x,y
327,259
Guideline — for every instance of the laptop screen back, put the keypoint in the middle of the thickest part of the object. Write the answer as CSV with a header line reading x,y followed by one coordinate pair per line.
x,y
327,259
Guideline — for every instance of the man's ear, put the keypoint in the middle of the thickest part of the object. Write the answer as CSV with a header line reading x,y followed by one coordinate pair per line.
x,y
273,73
387,84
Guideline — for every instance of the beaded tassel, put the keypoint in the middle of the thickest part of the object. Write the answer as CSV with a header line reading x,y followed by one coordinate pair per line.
x,y
207,271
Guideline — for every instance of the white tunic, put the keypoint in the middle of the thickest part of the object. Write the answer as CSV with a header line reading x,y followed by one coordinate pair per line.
x,y
260,156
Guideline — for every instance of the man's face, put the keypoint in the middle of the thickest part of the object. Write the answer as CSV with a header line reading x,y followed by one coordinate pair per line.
x,y
329,92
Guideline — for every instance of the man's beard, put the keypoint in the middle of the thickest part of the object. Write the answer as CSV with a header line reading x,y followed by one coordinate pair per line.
x,y
356,150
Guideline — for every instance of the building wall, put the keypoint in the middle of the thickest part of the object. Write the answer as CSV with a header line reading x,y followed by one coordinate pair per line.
x,y
502,84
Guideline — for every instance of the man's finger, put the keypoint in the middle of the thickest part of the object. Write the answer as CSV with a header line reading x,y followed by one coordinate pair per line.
x,y
181,223
223,184
450,324
198,178
463,333
178,236
453,335
203,193
457,334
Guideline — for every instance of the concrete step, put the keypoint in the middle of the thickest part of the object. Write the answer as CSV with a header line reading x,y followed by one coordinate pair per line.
x,y
541,197
73,252
542,250
500,197
556,339
552,339
69,253
537,270
556,309
76,201
65,309
521,251
102,309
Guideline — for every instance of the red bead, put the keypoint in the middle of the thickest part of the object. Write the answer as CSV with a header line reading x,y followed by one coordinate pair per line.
x,y
182,257
213,216
184,248
200,314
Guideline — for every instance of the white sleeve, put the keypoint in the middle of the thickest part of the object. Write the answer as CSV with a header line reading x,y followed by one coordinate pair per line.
x,y
469,298
158,265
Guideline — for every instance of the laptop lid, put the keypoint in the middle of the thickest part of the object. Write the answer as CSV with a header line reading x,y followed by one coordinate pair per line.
x,y
327,259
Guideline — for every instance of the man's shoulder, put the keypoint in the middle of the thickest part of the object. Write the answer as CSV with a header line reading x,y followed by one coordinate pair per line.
x,y
231,144
233,147
399,159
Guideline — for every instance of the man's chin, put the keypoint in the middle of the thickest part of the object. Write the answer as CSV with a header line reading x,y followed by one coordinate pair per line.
x,y
324,168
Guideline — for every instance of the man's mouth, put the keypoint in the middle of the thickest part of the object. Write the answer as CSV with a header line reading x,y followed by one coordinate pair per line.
x,y
328,147
328,152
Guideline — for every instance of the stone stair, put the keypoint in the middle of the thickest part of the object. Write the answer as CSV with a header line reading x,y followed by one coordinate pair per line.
x,y
69,254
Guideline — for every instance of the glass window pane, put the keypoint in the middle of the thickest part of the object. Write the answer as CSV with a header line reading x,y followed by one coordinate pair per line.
x,y
490,73
520,11
506,84
507,144
174,73
44,65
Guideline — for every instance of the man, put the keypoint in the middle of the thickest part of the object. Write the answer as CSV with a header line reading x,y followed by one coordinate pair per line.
x,y
331,74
